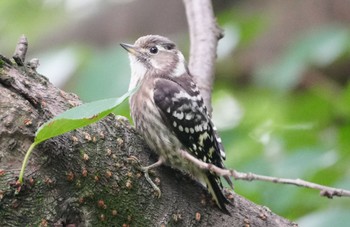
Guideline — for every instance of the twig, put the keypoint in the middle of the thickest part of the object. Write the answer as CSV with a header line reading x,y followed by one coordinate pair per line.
x,y
204,36
21,50
325,191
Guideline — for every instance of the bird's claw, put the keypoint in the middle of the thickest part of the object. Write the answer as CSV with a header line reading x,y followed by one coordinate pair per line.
x,y
145,171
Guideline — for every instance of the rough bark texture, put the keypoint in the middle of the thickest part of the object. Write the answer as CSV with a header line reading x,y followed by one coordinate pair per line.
x,y
84,178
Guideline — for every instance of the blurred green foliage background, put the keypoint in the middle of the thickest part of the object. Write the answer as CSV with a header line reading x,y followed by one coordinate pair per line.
x,y
281,98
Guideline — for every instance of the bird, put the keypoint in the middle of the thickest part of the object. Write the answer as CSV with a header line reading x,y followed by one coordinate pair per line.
x,y
169,112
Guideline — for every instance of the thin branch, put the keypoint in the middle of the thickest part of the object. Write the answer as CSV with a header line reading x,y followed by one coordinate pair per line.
x,y
325,191
204,36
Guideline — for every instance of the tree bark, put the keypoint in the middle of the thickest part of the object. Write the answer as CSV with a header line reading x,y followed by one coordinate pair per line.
x,y
84,178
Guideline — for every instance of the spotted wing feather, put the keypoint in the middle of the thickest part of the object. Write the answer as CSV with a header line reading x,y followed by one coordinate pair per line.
x,y
183,110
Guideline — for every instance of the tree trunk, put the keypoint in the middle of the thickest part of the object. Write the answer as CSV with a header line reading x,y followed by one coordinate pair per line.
x,y
84,178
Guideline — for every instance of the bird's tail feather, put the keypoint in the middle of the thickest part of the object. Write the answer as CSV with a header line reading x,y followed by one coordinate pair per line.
x,y
215,189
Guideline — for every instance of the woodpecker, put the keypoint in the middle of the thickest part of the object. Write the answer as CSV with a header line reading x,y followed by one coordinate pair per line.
x,y
169,112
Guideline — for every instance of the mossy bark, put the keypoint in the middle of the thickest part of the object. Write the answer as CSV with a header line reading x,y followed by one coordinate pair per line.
x,y
85,177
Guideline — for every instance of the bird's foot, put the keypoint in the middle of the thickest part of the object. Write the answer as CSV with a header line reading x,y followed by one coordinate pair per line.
x,y
145,170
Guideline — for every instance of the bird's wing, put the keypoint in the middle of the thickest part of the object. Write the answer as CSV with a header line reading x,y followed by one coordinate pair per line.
x,y
182,108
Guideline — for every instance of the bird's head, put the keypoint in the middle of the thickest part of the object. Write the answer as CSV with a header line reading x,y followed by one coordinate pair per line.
x,y
155,54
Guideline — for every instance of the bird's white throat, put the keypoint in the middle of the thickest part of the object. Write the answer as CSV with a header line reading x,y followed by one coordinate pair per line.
x,y
180,68
138,71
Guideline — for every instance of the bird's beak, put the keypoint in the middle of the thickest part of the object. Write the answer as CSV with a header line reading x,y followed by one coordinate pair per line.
x,y
130,48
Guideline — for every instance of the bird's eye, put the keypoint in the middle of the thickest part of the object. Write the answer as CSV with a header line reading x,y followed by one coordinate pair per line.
x,y
153,50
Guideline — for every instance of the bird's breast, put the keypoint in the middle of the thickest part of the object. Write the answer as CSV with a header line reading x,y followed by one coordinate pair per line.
x,y
149,123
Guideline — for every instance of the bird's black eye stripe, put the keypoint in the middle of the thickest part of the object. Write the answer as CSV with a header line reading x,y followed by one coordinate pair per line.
x,y
169,46
153,50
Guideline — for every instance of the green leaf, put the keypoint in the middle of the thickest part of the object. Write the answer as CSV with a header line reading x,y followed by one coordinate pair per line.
x,y
78,117
74,118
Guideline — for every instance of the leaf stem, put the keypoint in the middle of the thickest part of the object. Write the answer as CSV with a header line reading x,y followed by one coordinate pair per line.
x,y
26,158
